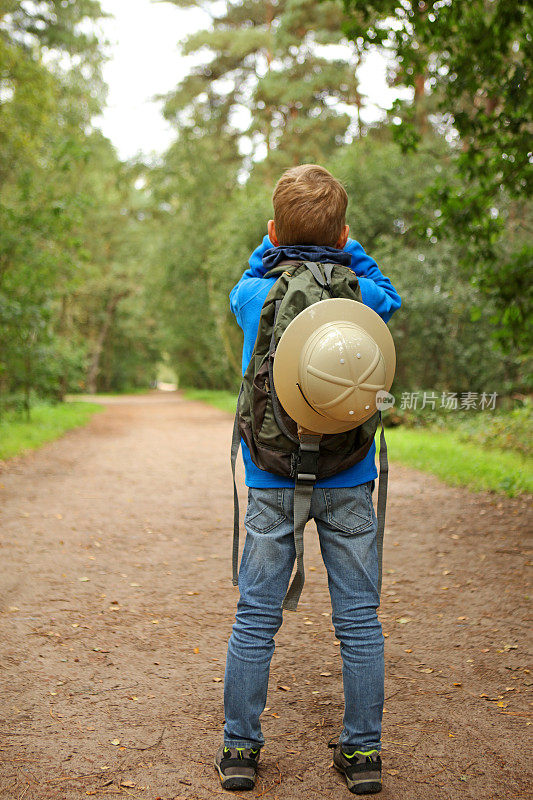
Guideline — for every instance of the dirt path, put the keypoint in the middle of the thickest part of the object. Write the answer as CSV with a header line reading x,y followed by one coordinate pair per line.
x,y
117,605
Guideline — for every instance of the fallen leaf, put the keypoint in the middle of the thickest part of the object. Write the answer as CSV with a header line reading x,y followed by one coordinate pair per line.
x,y
284,688
326,674
135,584
115,741
408,650
83,579
403,620
393,772
193,593
426,669
458,683
275,715
217,680
196,650
127,784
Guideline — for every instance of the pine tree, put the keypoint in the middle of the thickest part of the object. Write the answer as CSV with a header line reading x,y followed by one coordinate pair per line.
x,y
269,64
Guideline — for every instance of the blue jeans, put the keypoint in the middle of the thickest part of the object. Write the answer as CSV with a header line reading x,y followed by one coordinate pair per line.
x,y
347,526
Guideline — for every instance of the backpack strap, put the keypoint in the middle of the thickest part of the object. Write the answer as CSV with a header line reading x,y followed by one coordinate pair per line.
x,y
303,490
235,444
273,395
382,497
322,280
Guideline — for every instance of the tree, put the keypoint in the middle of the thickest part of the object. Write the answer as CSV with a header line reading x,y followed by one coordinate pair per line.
x,y
69,243
474,60
267,65
439,344
191,190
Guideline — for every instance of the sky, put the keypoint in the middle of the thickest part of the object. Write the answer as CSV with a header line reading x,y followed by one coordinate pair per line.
x,y
145,61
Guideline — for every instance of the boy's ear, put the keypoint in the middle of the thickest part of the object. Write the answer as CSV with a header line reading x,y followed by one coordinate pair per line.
x,y
272,233
343,238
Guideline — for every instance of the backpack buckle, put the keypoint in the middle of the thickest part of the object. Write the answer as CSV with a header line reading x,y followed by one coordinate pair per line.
x,y
307,458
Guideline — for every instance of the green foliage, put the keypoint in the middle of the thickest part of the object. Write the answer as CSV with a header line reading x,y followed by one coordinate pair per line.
x,y
507,428
264,61
510,431
439,345
191,191
469,65
70,243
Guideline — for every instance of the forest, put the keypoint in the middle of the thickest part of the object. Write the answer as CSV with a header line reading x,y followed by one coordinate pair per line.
x,y
112,271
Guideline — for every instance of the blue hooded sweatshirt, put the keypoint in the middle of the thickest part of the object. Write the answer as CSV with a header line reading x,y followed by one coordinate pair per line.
x,y
246,302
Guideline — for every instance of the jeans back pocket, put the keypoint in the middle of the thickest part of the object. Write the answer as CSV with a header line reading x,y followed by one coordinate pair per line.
x,y
350,510
265,510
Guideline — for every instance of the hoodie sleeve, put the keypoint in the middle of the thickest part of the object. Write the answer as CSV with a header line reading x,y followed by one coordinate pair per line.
x,y
257,270
376,290
250,284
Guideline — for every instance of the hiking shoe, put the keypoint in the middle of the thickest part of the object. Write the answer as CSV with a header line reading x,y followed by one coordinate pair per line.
x,y
237,766
362,768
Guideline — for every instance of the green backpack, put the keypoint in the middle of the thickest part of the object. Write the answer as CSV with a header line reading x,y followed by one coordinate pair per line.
x,y
268,431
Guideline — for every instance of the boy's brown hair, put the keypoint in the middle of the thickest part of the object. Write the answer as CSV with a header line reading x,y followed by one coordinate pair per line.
x,y
309,206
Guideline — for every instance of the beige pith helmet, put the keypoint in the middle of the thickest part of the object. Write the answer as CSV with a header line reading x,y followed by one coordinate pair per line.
x,y
330,362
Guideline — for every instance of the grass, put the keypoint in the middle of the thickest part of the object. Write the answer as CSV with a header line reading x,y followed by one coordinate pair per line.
x,y
226,401
443,453
459,463
48,422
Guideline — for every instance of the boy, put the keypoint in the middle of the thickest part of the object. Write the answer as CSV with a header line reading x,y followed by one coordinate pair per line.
x,y
309,225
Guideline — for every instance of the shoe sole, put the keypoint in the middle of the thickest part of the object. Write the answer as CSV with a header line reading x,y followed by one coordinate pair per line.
x,y
369,786
233,782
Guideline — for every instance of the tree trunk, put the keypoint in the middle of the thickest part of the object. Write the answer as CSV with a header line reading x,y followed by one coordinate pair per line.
x,y
419,101
94,365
